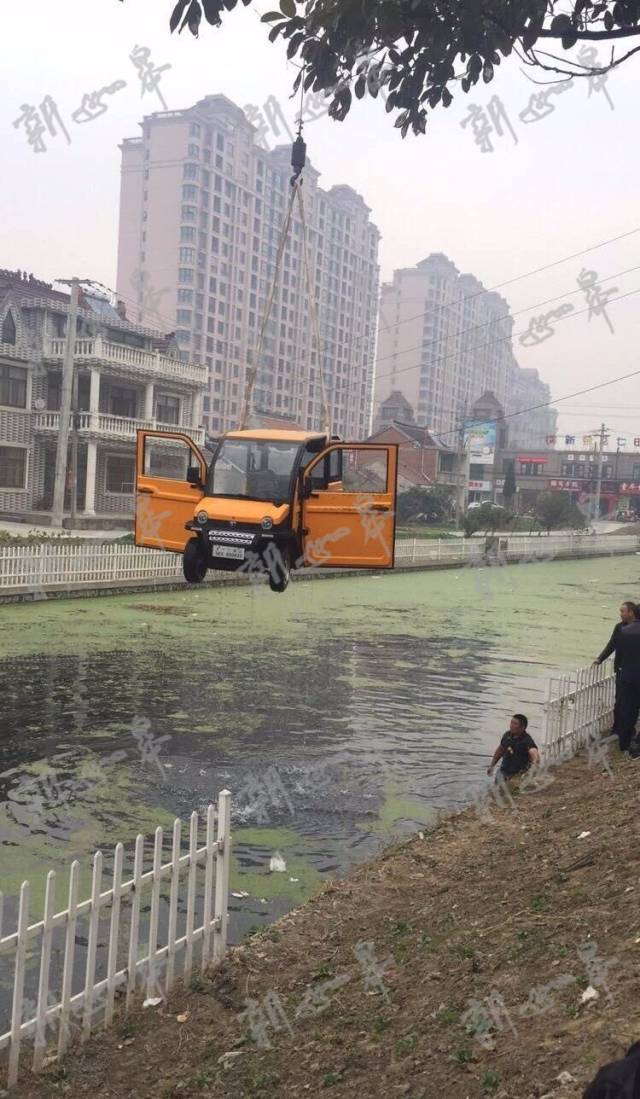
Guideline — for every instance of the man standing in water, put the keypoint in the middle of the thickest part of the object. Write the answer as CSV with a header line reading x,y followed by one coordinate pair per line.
x,y
517,750
627,615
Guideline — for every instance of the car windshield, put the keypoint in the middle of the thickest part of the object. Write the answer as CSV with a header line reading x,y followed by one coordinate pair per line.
x,y
257,469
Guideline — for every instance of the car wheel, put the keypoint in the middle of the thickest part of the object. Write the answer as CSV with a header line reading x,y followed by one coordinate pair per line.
x,y
194,562
280,572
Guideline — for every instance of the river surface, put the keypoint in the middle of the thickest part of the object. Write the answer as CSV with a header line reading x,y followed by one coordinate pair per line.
x,y
339,714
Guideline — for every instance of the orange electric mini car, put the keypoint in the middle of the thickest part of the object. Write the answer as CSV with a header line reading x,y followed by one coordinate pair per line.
x,y
267,502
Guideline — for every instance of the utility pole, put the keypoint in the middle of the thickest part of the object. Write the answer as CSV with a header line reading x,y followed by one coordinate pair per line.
x,y
462,489
57,512
596,503
74,449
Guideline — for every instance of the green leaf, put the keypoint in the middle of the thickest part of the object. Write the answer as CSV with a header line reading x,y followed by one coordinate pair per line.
x,y
192,18
176,14
288,8
561,24
212,11
271,16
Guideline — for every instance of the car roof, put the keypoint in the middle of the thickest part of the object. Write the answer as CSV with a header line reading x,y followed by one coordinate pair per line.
x,y
275,436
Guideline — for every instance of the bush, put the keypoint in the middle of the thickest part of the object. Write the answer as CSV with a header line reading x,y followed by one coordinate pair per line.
x,y
488,517
431,505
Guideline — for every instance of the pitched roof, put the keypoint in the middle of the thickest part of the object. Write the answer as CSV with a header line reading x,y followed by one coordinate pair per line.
x,y
417,434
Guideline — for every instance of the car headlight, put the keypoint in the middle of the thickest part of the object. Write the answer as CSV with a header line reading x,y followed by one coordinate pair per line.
x,y
267,523
202,518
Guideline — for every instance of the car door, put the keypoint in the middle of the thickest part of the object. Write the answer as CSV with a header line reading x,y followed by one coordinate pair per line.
x,y
350,522
165,499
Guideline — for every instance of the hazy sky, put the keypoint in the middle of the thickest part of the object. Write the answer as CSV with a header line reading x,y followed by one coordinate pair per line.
x,y
570,182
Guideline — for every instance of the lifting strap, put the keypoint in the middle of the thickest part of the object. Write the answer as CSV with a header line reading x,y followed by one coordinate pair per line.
x,y
313,306
252,370
298,161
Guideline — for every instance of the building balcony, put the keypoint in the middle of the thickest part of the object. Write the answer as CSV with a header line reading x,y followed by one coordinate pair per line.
x,y
18,351
151,364
102,425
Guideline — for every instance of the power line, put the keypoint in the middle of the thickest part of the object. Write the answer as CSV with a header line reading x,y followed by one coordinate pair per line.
x,y
544,404
491,343
509,282
494,320
443,305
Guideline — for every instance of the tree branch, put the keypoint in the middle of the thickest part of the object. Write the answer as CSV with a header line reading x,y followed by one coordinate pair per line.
x,y
589,72
594,36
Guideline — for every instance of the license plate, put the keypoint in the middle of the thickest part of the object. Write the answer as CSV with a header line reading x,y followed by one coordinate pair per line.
x,y
236,553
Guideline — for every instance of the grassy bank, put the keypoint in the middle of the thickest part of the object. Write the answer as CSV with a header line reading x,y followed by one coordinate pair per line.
x,y
516,914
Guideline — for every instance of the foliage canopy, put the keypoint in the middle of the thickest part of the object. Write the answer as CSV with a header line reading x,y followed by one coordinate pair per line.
x,y
423,51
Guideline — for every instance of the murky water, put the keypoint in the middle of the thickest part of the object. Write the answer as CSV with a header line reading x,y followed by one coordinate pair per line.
x,y
337,714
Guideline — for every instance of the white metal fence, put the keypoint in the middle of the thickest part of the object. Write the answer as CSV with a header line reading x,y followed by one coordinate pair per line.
x,y
61,564
507,549
116,921
579,709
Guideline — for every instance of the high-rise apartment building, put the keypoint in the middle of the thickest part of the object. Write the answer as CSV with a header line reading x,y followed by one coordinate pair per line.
x,y
201,210
444,340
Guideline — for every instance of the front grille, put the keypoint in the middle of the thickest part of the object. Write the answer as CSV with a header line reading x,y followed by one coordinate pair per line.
x,y
232,537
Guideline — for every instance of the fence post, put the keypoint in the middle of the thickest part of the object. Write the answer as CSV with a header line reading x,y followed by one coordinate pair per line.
x,y
173,902
135,921
155,913
208,887
40,1041
69,952
94,919
223,864
112,963
191,896
18,987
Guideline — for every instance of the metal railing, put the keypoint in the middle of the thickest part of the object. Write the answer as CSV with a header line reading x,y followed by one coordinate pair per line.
x,y
69,1011
578,710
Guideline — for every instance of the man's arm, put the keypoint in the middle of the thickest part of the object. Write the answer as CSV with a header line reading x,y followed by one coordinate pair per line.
x,y
609,648
534,756
497,756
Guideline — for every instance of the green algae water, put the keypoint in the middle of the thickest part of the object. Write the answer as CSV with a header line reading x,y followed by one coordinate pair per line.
x,y
339,714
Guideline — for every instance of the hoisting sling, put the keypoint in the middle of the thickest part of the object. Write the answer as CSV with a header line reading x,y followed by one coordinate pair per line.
x,y
298,161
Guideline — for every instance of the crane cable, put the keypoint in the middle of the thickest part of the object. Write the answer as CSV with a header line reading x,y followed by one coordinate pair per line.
x,y
298,161
252,372
313,307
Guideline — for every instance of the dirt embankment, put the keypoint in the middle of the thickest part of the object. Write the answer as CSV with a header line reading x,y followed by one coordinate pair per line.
x,y
485,937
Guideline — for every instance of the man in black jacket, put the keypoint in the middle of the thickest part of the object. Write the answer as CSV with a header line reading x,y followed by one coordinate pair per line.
x,y
628,652
628,612
618,1079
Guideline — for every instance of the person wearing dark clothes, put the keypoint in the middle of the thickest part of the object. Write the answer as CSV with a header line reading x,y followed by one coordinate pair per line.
x,y
517,749
618,1079
628,650
628,611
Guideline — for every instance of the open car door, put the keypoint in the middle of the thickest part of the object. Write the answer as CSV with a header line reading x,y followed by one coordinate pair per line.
x,y
165,499
350,522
